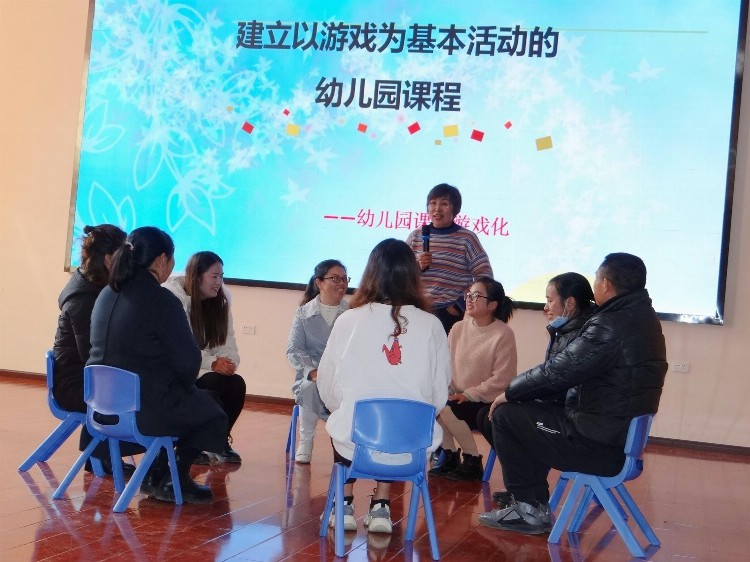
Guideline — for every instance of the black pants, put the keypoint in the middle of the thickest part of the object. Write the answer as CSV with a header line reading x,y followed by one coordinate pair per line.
x,y
447,319
533,437
230,389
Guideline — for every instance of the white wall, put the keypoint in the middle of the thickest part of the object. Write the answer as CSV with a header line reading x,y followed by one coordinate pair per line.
x,y
42,45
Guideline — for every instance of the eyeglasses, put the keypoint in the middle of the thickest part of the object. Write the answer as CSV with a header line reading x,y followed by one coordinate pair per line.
x,y
337,279
472,297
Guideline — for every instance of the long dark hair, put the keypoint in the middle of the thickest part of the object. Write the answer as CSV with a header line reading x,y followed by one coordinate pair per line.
x,y
572,284
321,270
96,243
392,277
496,292
209,318
139,251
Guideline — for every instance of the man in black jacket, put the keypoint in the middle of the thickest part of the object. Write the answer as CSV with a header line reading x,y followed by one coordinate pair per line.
x,y
616,364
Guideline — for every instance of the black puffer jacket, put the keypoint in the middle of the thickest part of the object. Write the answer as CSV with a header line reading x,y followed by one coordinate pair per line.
x,y
72,343
618,362
559,338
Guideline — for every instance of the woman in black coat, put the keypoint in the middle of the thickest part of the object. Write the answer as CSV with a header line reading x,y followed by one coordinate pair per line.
x,y
72,342
140,326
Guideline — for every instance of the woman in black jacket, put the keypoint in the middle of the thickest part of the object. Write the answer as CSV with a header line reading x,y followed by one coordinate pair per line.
x,y
72,342
140,326
569,303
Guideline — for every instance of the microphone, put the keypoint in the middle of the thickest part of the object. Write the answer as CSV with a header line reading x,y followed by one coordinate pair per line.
x,y
426,238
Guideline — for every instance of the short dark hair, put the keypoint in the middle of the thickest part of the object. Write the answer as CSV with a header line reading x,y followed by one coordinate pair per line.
x,y
446,190
572,284
626,272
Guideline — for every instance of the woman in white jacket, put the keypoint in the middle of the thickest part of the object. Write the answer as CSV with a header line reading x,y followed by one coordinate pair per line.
x,y
386,346
206,303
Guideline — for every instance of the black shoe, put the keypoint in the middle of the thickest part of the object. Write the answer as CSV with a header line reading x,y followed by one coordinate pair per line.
x,y
150,483
203,459
192,492
469,470
503,498
230,455
127,468
450,462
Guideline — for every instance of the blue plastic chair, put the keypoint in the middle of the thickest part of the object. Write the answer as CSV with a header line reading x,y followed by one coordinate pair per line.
x,y
601,488
116,392
390,438
291,440
489,465
69,423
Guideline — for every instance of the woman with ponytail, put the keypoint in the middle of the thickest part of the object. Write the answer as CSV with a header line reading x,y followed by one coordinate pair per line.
x,y
72,341
140,326
484,360
322,303
388,345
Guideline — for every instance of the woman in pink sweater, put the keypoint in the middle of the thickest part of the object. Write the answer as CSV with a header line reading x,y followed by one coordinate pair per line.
x,y
484,359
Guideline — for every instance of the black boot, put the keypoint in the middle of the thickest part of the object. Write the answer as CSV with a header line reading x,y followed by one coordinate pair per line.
x,y
470,469
450,462
155,474
192,492
127,468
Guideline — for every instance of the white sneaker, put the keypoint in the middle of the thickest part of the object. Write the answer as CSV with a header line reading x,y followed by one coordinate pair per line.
x,y
304,452
378,519
350,523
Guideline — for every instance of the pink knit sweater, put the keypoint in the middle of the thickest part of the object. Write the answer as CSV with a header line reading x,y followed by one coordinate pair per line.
x,y
484,360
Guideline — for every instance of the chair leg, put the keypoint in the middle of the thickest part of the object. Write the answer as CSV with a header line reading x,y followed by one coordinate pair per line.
x,y
168,444
115,460
614,511
489,465
60,492
557,493
429,519
140,473
339,511
411,520
53,442
638,515
291,440
329,503
565,513
581,509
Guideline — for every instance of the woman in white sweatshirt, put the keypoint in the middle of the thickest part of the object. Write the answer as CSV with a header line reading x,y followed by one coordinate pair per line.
x,y
206,302
387,345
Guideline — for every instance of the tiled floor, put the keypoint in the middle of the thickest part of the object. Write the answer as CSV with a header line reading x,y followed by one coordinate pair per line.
x,y
697,503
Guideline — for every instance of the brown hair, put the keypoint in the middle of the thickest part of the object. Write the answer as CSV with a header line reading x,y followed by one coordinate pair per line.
x,y
209,318
392,277
96,243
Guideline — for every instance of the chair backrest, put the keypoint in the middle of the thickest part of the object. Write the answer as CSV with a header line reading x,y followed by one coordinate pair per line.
x,y
113,392
50,356
391,436
635,444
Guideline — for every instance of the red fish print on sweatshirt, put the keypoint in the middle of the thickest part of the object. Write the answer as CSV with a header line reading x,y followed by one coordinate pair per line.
x,y
393,355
